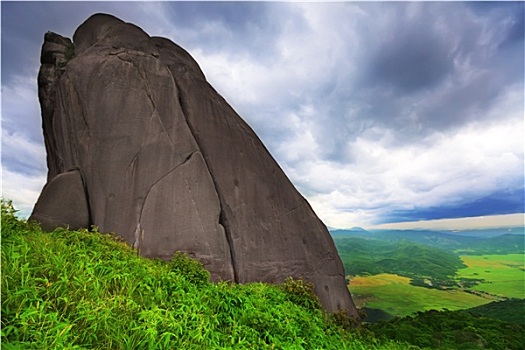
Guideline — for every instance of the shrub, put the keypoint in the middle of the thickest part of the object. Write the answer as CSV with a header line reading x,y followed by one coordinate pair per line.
x,y
343,320
10,222
301,292
70,52
191,269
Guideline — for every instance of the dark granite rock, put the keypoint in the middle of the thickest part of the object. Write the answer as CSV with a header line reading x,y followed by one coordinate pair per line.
x,y
63,203
168,165
53,60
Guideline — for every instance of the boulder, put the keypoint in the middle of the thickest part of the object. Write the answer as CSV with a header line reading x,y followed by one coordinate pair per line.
x,y
63,203
167,164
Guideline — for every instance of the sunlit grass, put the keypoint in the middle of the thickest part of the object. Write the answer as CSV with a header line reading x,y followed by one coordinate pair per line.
x,y
85,290
394,294
381,279
503,275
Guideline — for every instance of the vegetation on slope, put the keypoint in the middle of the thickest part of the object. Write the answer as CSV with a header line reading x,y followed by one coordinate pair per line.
x,y
84,290
512,310
362,256
453,330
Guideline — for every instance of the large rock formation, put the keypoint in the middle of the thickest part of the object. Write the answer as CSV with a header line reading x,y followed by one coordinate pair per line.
x,y
139,143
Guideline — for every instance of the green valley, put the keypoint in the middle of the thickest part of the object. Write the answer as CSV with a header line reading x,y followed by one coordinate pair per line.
x,y
414,286
397,275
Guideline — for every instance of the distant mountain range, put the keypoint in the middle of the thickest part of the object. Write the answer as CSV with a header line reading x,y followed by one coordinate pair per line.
x,y
486,241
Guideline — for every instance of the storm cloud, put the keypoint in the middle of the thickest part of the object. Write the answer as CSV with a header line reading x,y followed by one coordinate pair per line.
x,y
378,112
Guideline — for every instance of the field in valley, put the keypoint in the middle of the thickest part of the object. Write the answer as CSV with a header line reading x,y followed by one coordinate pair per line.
x,y
503,275
401,273
394,295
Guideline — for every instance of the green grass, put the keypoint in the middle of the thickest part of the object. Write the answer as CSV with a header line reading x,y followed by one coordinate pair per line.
x,y
84,290
394,295
503,275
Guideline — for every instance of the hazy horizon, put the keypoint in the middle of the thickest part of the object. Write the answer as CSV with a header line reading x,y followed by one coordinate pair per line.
x,y
479,222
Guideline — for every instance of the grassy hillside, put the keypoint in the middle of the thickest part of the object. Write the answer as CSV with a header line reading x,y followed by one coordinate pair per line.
x,y
84,290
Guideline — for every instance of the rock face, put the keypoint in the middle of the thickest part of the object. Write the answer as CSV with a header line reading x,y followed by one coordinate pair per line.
x,y
63,202
140,144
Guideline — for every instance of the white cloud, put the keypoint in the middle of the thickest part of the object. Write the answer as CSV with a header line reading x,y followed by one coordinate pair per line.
x,y
475,161
20,107
23,151
26,153
22,189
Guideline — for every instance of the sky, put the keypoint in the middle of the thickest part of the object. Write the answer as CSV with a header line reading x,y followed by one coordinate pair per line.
x,y
380,113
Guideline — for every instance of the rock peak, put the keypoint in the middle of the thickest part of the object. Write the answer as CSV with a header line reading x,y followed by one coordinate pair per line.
x,y
94,29
139,144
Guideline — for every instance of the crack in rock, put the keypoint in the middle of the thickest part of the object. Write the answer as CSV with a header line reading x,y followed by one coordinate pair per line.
x,y
211,188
